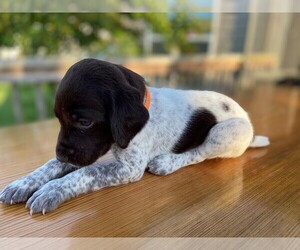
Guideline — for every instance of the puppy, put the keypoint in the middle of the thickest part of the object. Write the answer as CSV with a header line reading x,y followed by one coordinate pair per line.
x,y
103,106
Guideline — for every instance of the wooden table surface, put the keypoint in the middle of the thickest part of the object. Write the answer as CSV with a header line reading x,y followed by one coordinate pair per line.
x,y
256,194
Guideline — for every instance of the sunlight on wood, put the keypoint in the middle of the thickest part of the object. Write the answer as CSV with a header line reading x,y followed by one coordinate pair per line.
x,y
253,195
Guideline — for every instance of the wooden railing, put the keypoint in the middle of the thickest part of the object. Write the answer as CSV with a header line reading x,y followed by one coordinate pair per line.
x,y
223,74
32,71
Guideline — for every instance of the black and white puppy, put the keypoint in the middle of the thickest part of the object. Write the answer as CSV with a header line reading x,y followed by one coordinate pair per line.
x,y
103,106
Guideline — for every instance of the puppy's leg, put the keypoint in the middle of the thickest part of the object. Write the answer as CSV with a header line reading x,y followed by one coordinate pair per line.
x,y
20,190
83,180
226,139
169,163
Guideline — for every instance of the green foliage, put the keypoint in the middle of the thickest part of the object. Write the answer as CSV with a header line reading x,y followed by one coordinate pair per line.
x,y
6,105
29,107
116,34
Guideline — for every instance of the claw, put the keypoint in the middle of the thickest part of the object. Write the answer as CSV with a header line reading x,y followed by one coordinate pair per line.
x,y
26,206
44,211
11,202
31,212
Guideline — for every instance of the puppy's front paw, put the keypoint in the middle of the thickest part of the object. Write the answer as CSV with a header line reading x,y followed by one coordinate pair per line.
x,y
18,191
47,198
159,165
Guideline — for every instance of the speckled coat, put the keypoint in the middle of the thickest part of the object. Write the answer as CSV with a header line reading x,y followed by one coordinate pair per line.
x,y
184,128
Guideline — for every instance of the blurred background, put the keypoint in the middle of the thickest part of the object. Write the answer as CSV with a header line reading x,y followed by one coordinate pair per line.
x,y
226,52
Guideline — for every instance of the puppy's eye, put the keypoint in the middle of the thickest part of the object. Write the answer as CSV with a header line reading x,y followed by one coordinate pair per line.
x,y
85,123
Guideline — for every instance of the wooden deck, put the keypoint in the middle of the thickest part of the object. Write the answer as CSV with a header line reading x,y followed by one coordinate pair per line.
x,y
254,195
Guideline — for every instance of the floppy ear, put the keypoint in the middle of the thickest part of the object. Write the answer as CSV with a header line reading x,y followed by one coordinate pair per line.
x,y
128,116
133,79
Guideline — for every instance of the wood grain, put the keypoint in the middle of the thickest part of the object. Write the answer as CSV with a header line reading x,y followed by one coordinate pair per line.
x,y
254,195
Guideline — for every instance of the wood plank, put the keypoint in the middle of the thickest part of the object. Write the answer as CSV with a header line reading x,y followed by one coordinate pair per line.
x,y
17,107
254,195
40,101
31,77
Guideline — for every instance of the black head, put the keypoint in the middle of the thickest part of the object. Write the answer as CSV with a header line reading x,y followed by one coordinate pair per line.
x,y
97,103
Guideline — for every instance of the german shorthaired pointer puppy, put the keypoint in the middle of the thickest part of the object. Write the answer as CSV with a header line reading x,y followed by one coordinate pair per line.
x,y
103,106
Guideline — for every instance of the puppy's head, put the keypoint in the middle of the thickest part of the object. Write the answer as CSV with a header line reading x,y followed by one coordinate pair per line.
x,y
97,104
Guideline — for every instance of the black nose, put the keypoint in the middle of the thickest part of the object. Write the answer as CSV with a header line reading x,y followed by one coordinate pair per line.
x,y
63,152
